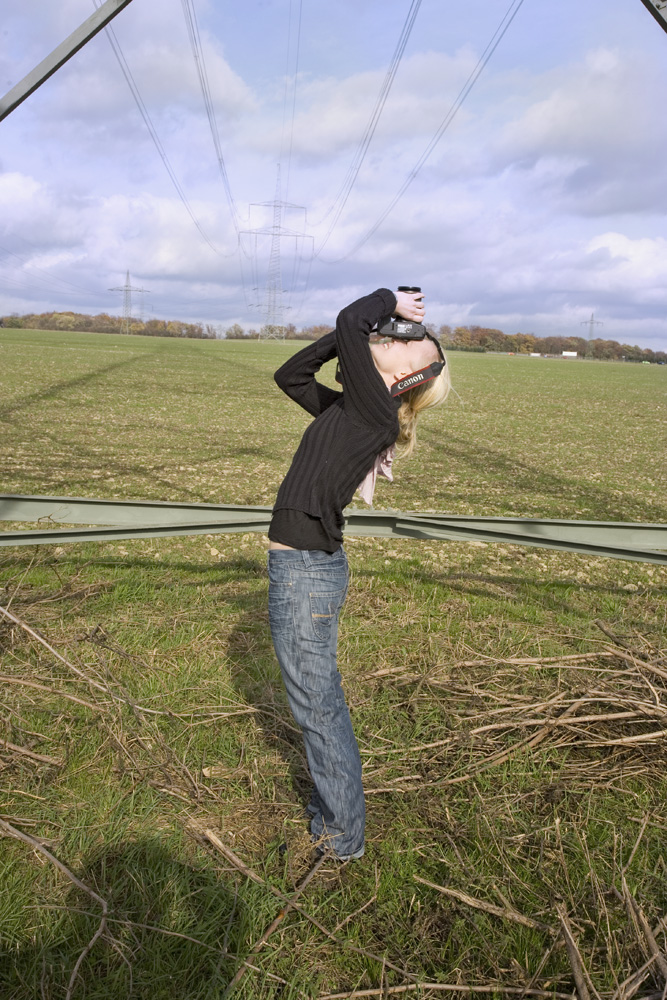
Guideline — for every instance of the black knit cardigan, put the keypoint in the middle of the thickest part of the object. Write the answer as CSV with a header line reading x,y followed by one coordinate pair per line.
x,y
350,428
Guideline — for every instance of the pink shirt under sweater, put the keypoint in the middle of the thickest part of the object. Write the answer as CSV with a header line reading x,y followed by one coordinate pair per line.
x,y
381,467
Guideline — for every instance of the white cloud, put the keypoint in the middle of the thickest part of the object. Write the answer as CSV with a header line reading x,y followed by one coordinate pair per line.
x,y
544,201
636,267
597,125
595,107
91,87
334,112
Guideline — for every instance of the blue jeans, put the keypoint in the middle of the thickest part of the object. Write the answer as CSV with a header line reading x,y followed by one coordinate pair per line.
x,y
307,589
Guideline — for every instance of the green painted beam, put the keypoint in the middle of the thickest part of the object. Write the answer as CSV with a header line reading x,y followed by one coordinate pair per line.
x,y
83,510
90,27
125,519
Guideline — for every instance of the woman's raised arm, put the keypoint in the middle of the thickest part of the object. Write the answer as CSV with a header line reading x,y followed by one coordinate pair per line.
x,y
297,376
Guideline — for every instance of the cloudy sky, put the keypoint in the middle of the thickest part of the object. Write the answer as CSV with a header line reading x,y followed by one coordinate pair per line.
x,y
543,201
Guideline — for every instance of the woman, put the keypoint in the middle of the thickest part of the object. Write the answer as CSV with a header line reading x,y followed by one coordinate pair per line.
x,y
353,434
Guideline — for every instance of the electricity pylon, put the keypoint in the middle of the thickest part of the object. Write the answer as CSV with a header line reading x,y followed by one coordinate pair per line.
x,y
273,305
591,324
127,290
274,326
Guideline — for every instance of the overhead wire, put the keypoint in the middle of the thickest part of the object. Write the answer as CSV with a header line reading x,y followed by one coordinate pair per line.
x,y
298,256
360,154
252,259
296,270
482,62
194,34
309,261
143,110
50,277
200,63
353,171
275,230
294,89
22,284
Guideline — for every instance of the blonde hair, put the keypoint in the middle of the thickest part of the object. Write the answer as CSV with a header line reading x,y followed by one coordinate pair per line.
x,y
422,397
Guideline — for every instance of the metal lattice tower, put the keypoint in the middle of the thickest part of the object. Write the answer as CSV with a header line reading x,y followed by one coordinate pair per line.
x,y
591,324
273,307
274,328
127,290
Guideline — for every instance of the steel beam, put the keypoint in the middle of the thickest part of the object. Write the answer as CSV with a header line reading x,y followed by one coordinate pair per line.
x,y
659,10
125,519
59,56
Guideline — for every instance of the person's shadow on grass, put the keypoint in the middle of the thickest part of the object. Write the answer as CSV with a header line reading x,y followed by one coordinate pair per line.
x,y
173,929
256,675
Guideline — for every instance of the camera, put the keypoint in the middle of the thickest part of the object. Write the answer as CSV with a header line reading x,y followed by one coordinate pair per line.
x,y
402,329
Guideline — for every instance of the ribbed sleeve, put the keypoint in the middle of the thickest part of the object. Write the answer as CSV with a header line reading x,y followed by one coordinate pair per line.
x,y
297,376
366,396
351,428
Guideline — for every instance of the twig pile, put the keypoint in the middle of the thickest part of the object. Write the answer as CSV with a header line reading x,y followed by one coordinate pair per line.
x,y
609,707
606,709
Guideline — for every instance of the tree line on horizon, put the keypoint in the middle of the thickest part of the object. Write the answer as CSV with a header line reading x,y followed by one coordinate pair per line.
x,y
476,339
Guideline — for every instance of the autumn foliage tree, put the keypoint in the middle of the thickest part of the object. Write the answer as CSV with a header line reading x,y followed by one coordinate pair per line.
x,y
461,338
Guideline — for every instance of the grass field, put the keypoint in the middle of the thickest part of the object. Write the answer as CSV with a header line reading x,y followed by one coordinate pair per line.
x,y
510,703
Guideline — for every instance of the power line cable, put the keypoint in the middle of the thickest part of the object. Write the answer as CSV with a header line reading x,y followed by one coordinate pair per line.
x,y
23,285
353,171
50,277
253,284
306,285
309,261
493,44
198,52
143,110
294,89
355,166
194,33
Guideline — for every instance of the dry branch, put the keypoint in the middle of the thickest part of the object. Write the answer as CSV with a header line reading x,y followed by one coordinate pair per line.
x,y
257,947
361,909
629,986
214,840
447,988
479,904
24,752
503,755
50,690
624,741
513,661
10,831
643,924
125,700
560,720
54,652
619,641
581,977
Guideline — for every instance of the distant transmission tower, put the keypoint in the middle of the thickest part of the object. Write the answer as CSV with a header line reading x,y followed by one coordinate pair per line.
x,y
591,324
274,327
127,290
273,306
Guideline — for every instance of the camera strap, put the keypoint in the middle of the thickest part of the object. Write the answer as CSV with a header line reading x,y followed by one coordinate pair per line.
x,y
417,378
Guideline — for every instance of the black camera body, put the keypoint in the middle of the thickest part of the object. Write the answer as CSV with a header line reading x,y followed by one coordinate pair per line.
x,y
402,329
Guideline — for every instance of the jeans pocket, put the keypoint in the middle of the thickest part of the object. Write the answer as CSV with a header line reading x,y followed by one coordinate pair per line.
x,y
324,609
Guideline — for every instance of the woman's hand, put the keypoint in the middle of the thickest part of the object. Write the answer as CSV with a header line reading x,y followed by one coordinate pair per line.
x,y
410,305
